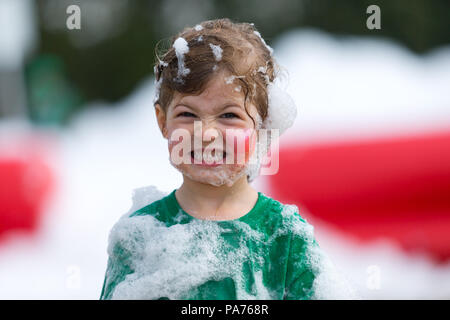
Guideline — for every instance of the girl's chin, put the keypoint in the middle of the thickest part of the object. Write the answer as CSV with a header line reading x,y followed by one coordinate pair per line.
x,y
217,176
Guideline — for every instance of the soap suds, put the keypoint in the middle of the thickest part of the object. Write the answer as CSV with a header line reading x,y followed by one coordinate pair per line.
x,y
282,109
181,48
230,79
329,282
157,87
172,261
264,42
217,51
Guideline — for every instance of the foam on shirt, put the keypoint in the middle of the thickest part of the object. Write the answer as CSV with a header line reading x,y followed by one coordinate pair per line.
x,y
171,261
329,282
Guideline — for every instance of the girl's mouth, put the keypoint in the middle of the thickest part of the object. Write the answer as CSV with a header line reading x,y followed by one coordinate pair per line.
x,y
214,159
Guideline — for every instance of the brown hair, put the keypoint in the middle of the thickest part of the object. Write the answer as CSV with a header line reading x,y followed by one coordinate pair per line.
x,y
244,54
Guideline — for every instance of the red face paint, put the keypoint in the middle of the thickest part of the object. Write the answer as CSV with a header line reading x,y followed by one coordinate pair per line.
x,y
242,142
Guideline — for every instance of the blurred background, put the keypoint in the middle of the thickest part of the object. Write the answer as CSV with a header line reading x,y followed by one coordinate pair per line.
x,y
367,160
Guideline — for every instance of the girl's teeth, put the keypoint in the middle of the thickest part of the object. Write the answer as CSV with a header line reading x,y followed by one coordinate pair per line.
x,y
210,158
197,156
207,157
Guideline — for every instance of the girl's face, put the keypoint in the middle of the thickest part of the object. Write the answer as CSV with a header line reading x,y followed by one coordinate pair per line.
x,y
211,136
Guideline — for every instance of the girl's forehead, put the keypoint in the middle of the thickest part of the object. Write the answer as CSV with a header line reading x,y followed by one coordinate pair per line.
x,y
222,88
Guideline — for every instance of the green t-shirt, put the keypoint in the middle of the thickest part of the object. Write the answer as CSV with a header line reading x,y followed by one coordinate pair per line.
x,y
161,252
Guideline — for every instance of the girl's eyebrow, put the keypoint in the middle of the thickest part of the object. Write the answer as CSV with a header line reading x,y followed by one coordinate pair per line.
x,y
223,106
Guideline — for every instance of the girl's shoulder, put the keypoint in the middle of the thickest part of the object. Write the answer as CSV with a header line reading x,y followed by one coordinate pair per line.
x,y
145,199
131,228
283,218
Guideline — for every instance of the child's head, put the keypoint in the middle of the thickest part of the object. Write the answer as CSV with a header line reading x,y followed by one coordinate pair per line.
x,y
217,74
214,46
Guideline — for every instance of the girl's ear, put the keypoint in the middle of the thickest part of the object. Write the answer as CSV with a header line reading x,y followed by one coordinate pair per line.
x,y
161,118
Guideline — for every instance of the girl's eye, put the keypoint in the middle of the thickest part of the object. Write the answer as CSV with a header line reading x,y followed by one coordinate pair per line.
x,y
229,115
186,114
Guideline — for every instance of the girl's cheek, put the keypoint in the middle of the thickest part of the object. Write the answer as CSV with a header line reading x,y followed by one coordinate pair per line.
x,y
177,140
250,144
172,142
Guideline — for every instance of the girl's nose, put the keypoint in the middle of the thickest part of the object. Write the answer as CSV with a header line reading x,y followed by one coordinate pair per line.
x,y
208,123
206,130
210,134
209,130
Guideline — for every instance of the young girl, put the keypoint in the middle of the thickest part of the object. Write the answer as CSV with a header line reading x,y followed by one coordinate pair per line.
x,y
216,237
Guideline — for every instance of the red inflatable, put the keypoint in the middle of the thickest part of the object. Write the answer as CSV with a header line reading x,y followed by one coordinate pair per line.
x,y
397,188
26,182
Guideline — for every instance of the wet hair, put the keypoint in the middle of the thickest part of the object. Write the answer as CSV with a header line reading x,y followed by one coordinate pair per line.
x,y
244,54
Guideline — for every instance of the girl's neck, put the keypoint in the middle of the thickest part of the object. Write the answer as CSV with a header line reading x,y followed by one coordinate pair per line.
x,y
209,202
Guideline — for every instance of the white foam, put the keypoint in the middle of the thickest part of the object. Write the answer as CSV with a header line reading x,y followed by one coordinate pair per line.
x,y
171,261
158,82
217,51
282,109
230,79
181,48
264,42
157,87
329,281
143,196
